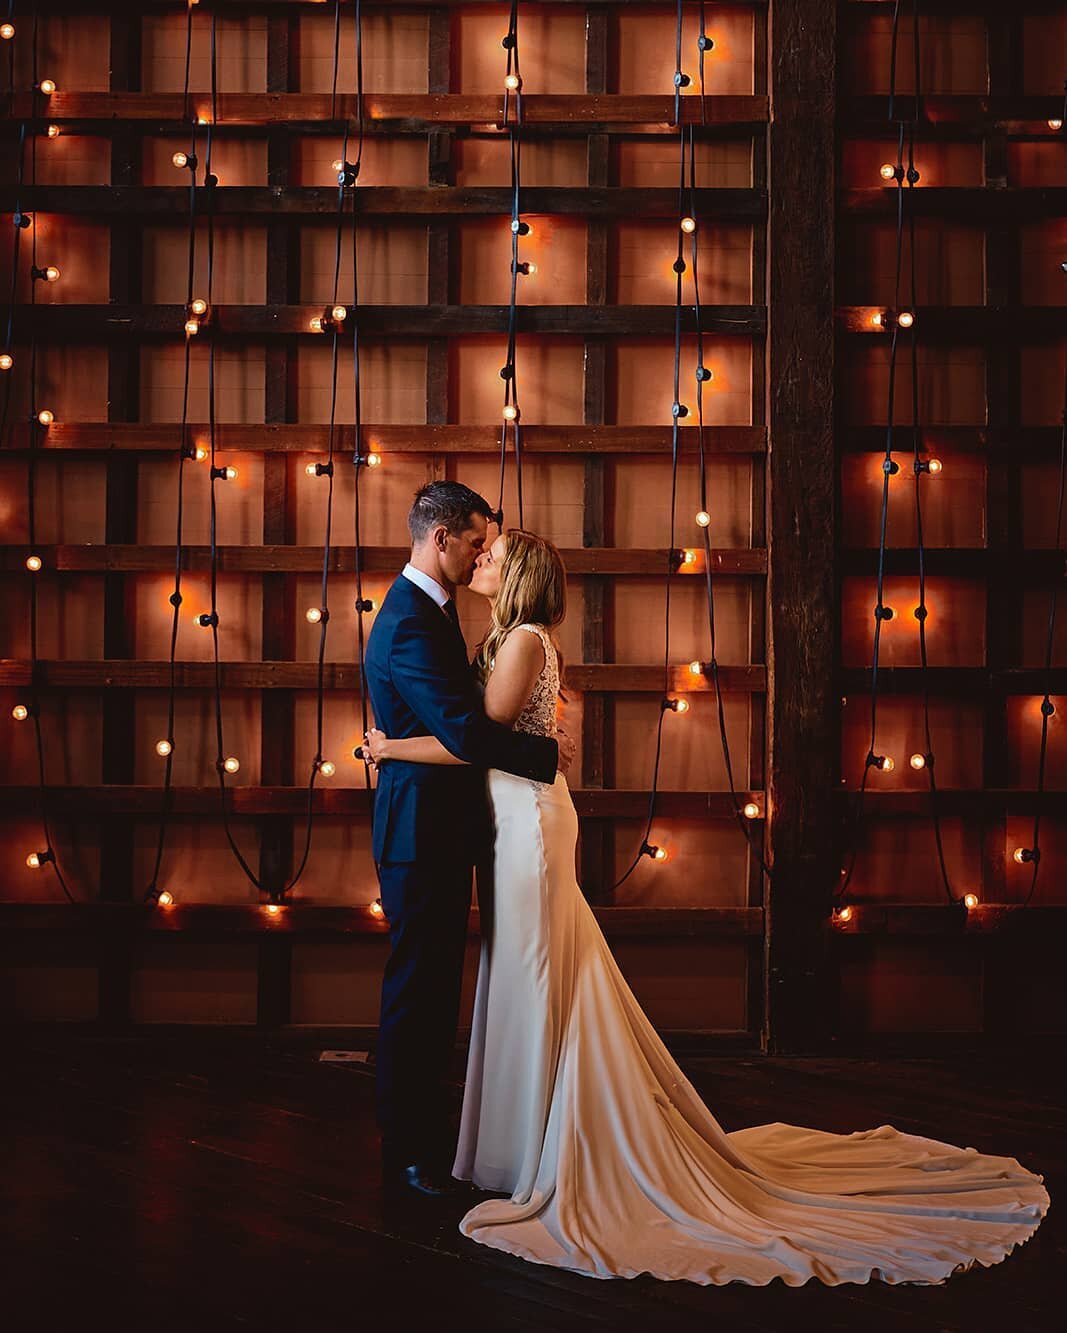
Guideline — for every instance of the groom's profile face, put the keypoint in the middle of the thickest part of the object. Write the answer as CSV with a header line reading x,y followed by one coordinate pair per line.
x,y
460,551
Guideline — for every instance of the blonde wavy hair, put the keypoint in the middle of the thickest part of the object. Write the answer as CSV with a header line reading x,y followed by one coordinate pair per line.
x,y
533,591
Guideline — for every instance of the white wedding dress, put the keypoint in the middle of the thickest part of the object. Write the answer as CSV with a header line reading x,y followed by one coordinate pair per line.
x,y
614,1165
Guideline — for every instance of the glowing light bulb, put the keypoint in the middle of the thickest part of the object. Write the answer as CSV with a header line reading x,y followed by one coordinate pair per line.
x,y
511,412
310,470
45,417
33,860
163,748
165,899
327,768
313,615
180,159
20,712
689,557
198,306
845,914
696,668
273,909
918,761
970,900
34,563
51,273
659,853
192,326
6,361
337,164
376,907
230,473
935,466
887,765
530,267
906,319
315,324
338,313
688,225
678,705
232,764
1055,124
374,460
703,519
512,82
876,319
887,171
201,452
1020,855
47,86
53,131
7,31
751,810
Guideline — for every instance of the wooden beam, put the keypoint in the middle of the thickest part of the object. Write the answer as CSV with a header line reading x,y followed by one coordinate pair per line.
x,y
974,206
132,558
59,323
311,437
342,676
438,199
804,697
1000,323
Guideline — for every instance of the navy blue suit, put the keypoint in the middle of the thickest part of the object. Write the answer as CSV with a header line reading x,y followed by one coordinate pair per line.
x,y
431,824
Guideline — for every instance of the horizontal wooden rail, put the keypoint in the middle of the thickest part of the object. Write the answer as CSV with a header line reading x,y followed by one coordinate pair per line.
x,y
107,558
969,681
977,205
953,115
398,112
296,918
170,204
971,803
60,322
331,798
106,919
314,437
1023,443
963,324
1028,565
130,674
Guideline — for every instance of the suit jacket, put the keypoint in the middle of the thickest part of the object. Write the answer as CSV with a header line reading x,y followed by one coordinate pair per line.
x,y
421,684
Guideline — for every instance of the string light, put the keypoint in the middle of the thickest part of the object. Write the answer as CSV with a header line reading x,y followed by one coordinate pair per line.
x,y
37,859
198,306
652,851
703,518
511,412
1023,855
181,160
374,460
51,273
53,131
20,712
200,452
512,82
751,810
34,563
165,899
6,361
696,668
376,908
918,761
688,225
232,764
273,909
45,417
689,557
327,768
843,915
676,705
47,86
315,324
877,319
1055,124
164,748
970,900
7,31
339,313
887,171
313,615
192,327
229,474
905,319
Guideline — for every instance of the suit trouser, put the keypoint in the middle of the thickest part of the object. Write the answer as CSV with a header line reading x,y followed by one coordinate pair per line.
x,y
427,905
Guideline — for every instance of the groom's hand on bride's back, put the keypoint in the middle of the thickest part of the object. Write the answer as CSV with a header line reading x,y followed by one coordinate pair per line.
x,y
567,750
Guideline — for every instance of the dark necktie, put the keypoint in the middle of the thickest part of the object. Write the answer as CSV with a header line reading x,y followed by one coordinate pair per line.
x,y
453,615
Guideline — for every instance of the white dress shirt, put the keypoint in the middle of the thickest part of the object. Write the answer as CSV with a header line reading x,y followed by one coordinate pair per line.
x,y
429,585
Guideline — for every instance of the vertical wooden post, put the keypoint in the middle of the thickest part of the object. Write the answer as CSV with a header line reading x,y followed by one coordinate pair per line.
x,y
597,840
438,234
120,525
803,712
277,707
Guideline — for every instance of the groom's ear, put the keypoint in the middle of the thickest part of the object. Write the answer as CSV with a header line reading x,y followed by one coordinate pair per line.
x,y
439,537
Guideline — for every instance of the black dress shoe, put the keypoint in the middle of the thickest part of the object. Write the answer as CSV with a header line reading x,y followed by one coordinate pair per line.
x,y
420,1179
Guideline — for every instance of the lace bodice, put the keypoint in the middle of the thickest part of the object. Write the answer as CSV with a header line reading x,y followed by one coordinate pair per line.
x,y
538,717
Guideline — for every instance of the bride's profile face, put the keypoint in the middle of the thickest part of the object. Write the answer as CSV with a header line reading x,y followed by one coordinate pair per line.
x,y
486,580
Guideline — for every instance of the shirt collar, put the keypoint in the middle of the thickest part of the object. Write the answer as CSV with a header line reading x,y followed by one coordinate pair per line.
x,y
429,585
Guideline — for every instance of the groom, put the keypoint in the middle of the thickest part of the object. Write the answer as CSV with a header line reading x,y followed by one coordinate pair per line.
x,y
431,823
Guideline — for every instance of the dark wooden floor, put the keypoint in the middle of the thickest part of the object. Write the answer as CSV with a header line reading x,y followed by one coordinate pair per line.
x,y
221,1180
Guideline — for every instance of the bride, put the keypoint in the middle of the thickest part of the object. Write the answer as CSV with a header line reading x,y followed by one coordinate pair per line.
x,y
574,1108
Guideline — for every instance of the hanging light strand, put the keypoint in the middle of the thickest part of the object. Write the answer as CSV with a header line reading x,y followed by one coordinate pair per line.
x,y
513,119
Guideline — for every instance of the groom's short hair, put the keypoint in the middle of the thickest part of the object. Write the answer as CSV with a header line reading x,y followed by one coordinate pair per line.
x,y
447,504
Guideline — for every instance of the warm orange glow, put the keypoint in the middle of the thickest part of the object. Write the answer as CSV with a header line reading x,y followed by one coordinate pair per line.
x,y
1020,855
906,319
338,313
512,82
6,361
313,615
689,557
696,668
180,159
374,460
51,273
34,563
918,761
45,417
7,31
53,131
273,909
751,810
877,319
935,466
376,907
201,452
20,712
232,765
887,171
163,748
327,768
192,326
1055,124
198,306
703,519
33,861
47,86
970,900
843,914
231,474
511,412
166,899
688,225
315,324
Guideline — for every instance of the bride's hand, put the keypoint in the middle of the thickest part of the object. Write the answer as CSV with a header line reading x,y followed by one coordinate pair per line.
x,y
375,744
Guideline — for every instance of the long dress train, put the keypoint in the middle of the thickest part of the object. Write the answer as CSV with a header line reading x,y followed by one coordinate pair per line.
x,y
614,1165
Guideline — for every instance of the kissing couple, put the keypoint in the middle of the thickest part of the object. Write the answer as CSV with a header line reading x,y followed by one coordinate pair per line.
x,y
602,1157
